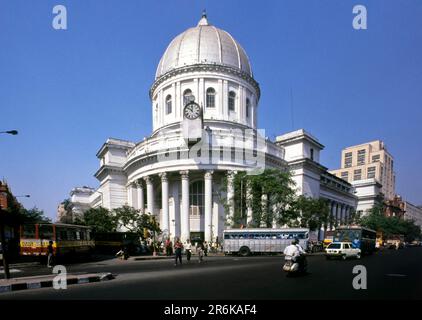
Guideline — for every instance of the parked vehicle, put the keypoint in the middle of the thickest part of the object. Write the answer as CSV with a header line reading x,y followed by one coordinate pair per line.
x,y
343,250
395,242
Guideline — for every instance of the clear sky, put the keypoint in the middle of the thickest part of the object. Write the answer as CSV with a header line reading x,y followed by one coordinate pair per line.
x,y
68,91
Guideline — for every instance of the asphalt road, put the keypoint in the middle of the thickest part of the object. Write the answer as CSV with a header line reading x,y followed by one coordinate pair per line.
x,y
390,275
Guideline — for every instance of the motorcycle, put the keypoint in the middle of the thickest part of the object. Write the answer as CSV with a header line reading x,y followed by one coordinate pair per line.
x,y
295,265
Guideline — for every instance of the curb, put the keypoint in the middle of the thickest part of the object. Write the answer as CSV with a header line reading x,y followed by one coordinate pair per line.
x,y
31,284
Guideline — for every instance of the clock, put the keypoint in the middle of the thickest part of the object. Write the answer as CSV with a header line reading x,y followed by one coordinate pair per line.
x,y
192,111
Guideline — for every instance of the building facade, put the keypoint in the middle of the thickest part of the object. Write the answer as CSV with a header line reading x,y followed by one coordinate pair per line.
x,y
368,161
302,153
412,212
204,104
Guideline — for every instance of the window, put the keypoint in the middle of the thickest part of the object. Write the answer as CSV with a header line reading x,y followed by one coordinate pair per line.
x,y
357,174
210,98
345,175
196,198
232,98
248,105
371,172
188,96
312,154
168,104
376,158
348,160
361,157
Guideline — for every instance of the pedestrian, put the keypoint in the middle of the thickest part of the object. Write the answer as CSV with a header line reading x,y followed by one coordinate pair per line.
x,y
50,254
168,247
200,252
205,248
178,246
188,249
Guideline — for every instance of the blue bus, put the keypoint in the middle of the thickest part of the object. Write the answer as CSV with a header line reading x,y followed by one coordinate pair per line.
x,y
360,237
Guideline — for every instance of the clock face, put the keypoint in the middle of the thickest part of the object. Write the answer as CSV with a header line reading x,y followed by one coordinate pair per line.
x,y
192,111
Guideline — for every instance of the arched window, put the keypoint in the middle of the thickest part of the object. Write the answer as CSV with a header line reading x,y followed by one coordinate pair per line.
x,y
232,98
248,106
196,198
210,98
168,104
188,96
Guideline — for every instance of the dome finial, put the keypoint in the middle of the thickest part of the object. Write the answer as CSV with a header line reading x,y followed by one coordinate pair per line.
x,y
204,20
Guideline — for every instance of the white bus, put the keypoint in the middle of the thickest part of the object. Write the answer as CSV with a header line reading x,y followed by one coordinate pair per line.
x,y
262,240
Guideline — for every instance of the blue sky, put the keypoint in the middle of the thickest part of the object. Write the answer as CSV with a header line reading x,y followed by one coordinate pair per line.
x,y
68,91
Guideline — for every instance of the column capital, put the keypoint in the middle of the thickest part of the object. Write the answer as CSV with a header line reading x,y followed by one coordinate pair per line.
x,y
184,174
208,174
148,179
231,174
139,183
131,184
163,176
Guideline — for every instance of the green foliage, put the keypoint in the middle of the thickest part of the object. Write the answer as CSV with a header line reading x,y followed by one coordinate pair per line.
x,y
33,215
277,187
314,213
99,219
390,226
133,220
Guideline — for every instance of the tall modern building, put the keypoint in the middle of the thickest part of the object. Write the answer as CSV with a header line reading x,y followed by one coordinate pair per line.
x,y
368,161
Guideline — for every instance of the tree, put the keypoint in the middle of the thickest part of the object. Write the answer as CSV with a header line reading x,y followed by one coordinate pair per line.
x,y
99,219
314,213
33,215
389,226
271,197
134,221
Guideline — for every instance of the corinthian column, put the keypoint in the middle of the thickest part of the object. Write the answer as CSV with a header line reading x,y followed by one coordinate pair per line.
x,y
165,201
140,191
150,195
230,197
208,205
185,225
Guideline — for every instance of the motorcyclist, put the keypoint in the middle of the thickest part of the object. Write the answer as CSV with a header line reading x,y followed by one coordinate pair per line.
x,y
296,252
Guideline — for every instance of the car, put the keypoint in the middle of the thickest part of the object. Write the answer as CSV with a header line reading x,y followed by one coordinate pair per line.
x,y
342,250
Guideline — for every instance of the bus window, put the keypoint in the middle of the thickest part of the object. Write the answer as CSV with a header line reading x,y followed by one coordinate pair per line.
x,y
28,231
45,231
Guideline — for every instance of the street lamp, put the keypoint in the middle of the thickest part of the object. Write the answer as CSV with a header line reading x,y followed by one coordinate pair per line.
x,y
12,132
23,196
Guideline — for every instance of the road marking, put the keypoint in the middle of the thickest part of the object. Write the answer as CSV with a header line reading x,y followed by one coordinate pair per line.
x,y
11,271
395,275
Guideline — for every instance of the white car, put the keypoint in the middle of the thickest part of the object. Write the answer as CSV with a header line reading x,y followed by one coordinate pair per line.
x,y
342,250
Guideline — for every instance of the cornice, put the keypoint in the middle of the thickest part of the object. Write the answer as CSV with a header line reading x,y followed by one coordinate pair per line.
x,y
207,68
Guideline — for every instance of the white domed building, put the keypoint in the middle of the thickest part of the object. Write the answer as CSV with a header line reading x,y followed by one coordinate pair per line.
x,y
204,117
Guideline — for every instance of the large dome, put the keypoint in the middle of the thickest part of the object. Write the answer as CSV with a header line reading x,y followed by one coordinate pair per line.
x,y
203,44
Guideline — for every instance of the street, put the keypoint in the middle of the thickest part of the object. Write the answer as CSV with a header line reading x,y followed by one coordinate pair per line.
x,y
391,274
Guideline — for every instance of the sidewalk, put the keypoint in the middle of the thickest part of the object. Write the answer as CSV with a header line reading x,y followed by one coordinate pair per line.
x,y
163,257
46,281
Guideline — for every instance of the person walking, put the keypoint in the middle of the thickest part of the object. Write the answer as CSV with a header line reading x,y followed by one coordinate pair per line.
x,y
188,249
50,254
205,248
178,246
200,250
168,247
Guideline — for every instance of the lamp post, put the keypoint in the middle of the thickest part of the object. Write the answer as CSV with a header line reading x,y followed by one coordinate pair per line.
x,y
12,132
